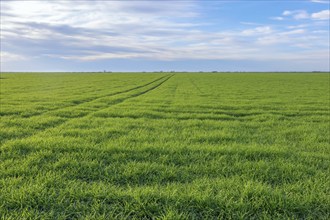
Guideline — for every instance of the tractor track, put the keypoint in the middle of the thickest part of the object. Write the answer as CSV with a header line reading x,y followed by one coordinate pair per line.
x,y
88,100
115,102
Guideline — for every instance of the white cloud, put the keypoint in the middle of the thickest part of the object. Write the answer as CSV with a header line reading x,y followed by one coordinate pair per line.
x,y
258,30
293,38
302,14
320,31
287,13
320,1
297,14
297,26
322,15
297,31
9,57
101,56
250,23
100,30
124,27
277,18
95,14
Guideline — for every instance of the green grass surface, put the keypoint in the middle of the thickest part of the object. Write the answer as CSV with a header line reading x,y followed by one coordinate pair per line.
x,y
165,146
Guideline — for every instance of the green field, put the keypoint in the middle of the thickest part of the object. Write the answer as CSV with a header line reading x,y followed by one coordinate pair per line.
x,y
165,146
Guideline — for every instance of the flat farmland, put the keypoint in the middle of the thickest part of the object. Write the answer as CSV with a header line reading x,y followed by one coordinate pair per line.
x,y
165,146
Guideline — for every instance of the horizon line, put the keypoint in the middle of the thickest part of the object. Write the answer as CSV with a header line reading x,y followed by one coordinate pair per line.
x,y
215,71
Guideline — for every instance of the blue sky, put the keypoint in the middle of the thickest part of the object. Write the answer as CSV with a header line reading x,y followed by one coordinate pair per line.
x,y
159,35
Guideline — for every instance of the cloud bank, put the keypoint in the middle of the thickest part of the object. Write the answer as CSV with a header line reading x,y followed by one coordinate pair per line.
x,y
106,30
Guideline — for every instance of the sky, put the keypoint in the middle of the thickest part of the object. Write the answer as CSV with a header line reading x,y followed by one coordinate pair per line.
x,y
173,35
